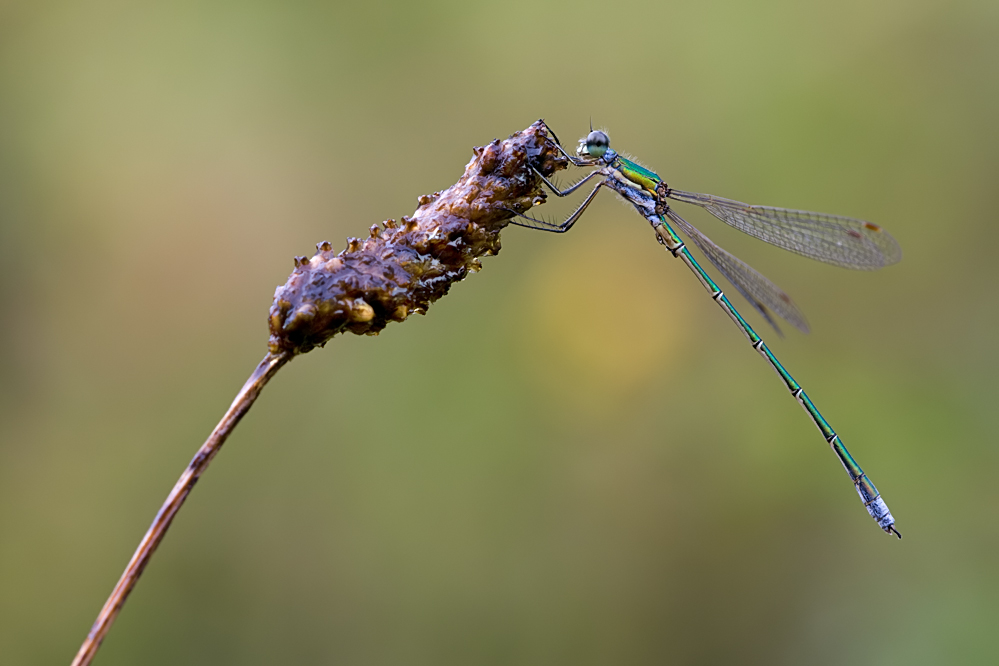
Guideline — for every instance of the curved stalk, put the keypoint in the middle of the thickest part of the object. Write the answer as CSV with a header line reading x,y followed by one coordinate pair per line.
x,y
161,523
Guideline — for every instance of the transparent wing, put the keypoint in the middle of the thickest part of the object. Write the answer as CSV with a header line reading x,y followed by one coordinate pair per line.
x,y
842,241
761,293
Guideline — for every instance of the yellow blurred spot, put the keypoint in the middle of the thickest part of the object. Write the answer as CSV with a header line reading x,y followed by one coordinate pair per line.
x,y
602,323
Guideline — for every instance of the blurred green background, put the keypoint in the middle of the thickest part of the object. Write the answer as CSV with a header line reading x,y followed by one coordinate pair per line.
x,y
574,458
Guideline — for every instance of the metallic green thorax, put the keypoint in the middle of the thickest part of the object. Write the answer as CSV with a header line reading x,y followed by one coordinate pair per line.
x,y
637,173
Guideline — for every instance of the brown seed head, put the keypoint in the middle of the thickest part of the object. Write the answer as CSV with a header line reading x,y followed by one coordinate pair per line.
x,y
363,288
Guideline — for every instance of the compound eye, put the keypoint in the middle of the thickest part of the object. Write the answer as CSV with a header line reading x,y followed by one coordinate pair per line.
x,y
597,143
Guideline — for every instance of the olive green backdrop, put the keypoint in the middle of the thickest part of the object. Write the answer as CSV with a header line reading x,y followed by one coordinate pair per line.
x,y
574,458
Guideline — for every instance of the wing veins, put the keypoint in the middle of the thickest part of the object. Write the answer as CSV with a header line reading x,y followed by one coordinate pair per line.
x,y
760,292
833,239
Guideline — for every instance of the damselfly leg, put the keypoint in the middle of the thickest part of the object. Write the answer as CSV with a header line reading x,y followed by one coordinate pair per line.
x,y
565,225
569,190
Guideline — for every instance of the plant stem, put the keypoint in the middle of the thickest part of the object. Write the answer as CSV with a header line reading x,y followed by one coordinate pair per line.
x,y
244,400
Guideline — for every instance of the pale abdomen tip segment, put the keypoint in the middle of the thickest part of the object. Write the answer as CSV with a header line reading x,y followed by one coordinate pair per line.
x,y
879,512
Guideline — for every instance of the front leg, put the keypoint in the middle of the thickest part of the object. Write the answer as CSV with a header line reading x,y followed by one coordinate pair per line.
x,y
572,188
543,225
574,159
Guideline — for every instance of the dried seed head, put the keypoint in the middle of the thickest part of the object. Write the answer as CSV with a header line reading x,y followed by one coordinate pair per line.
x,y
361,311
489,158
376,281
303,315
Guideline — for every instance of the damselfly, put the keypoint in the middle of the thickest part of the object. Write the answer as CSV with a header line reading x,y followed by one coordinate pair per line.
x,y
842,241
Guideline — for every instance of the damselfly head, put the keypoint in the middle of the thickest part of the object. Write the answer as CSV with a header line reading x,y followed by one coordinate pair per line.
x,y
594,145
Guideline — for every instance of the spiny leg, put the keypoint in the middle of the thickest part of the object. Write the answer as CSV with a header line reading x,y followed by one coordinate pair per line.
x,y
575,159
569,190
549,129
542,225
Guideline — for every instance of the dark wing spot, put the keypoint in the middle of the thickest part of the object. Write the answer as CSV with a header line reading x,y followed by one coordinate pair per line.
x,y
854,233
872,227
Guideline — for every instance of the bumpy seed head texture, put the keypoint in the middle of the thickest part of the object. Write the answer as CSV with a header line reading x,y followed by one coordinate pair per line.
x,y
401,268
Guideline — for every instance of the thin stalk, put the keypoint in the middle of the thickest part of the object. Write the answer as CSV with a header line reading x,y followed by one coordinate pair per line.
x,y
244,400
